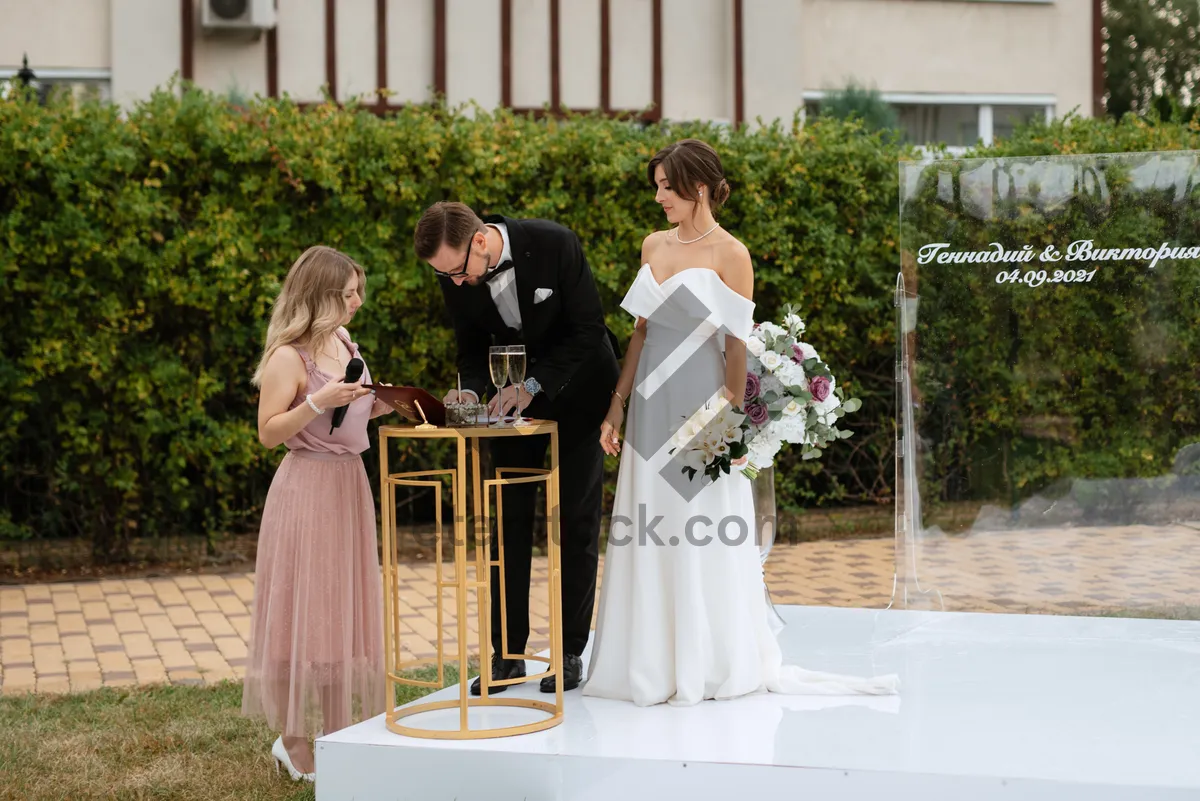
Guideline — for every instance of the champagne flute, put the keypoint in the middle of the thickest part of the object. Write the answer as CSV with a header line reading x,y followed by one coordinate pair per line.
x,y
498,366
516,374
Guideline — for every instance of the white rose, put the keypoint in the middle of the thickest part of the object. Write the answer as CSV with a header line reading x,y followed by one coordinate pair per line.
x,y
755,346
771,330
793,408
794,323
771,360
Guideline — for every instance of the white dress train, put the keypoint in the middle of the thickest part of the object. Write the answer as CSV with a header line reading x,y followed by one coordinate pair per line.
x,y
682,614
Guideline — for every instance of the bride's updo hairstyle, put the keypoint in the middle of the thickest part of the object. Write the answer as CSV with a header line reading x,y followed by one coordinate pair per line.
x,y
689,163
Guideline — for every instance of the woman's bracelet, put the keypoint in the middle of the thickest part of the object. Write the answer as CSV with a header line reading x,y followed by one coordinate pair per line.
x,y
618,394
314,406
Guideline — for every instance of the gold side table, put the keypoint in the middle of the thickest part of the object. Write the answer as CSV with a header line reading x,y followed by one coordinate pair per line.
x,y
462,583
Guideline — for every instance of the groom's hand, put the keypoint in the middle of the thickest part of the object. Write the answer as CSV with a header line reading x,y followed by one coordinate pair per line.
x,y
509,398
467,397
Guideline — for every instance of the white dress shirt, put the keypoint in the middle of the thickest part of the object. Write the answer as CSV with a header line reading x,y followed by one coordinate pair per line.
x,y
504,290
504,286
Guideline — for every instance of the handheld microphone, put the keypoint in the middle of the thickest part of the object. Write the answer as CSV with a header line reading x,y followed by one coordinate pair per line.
x,y
354,371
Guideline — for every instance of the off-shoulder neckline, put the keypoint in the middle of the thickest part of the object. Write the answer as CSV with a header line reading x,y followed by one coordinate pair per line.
x,y
660,284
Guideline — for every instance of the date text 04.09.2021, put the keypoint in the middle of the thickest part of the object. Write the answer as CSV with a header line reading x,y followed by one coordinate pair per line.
x,y
1035,278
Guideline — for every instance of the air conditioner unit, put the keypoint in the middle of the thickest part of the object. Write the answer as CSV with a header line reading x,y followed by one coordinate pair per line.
x,y
245,15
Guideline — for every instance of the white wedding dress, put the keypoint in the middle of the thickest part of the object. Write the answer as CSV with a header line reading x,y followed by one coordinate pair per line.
x,y
684,618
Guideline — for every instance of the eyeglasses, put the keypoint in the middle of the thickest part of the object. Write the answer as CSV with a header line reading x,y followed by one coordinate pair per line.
x,y
462,270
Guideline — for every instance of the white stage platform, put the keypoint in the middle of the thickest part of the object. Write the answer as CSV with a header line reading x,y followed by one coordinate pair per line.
x,y
991,707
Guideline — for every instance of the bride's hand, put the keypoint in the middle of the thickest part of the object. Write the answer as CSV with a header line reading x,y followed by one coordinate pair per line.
x,y
610,439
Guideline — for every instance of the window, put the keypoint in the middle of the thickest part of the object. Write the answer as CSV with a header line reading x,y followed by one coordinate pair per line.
x,y
1009,118
955,120
955,125
83,85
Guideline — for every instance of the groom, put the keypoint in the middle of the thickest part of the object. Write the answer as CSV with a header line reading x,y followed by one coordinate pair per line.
x,y
522,281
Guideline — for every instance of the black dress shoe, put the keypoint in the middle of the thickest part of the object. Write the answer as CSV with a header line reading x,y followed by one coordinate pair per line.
x,y
572,673
501,669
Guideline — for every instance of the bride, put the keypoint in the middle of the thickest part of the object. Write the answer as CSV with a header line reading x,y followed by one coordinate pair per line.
x,y
682,615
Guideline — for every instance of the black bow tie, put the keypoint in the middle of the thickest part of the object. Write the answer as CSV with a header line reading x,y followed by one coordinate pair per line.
x,y
499,268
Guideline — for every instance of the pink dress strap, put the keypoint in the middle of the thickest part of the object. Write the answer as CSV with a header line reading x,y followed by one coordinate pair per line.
x,y
310,364
351,345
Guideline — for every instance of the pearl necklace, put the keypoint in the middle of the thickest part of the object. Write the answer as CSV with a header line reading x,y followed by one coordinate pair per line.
x,y
697,239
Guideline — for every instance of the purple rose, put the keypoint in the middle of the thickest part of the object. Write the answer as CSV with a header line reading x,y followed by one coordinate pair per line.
x,y
819,387
753,387
757,413
797,354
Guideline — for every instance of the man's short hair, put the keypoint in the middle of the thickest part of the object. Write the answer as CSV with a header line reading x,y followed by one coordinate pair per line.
x,y
445,223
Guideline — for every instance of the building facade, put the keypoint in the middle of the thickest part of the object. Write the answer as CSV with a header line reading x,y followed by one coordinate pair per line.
x,y
956,70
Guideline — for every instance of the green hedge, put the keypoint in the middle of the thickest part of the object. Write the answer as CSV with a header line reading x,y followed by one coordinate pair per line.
x,y
141,253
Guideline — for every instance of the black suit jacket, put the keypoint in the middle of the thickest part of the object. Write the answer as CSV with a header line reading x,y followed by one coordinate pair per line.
x,y
569,348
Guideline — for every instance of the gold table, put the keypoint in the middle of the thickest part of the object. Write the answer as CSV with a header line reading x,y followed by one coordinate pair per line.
x,y
462,583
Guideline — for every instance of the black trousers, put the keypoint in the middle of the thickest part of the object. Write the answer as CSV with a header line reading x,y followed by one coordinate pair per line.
x,y
581,482
581,493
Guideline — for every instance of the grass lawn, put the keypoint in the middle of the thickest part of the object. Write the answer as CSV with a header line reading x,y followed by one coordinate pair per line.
x,y
159,742
1153,613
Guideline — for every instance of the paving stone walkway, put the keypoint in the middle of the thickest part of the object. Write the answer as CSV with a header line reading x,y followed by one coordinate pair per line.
x,y
193,629
79,636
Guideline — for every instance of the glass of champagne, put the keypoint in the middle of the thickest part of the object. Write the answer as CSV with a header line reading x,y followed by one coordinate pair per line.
x,y
516,374
498,366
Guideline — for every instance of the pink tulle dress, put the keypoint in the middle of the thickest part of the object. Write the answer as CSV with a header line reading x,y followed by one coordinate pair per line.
x,y
315,659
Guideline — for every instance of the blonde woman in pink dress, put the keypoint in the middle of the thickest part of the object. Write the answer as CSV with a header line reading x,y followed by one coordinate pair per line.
x,y
316,640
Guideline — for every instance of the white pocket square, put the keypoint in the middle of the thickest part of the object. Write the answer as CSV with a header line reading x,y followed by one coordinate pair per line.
x,y
541,294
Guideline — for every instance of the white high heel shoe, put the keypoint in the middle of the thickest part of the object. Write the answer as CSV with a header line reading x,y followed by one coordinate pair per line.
x,y
281,756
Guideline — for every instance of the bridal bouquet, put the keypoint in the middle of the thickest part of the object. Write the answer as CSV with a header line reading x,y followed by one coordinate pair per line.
x,y
790,397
